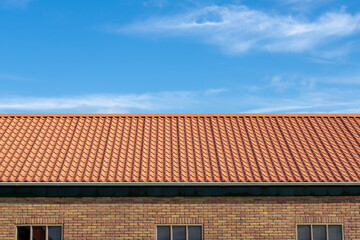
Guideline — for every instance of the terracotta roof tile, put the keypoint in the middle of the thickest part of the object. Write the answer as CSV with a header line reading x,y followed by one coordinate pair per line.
x,y
180,148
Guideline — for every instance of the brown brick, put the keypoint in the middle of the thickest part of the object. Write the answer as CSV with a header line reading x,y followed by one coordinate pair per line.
x,y
221,217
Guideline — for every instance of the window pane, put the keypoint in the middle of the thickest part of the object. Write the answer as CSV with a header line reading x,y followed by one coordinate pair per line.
x,y
163,233
23,233
39,233
335,232
319,232
179,233
194,233
304,232
54,233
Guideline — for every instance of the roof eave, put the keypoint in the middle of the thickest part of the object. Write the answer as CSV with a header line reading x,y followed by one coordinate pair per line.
x,y
178,184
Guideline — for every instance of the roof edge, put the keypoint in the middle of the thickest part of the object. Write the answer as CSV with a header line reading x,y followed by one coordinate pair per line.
x,y
181,115
177,184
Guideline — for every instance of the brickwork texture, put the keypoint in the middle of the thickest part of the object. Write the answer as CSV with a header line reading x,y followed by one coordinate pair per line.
x,y
221,217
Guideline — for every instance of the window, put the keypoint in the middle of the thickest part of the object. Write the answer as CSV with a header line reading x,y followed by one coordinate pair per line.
x,y
319,232
179,232
40,232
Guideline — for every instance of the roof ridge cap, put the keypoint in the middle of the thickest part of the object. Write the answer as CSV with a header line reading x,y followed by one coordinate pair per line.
x,y
180,115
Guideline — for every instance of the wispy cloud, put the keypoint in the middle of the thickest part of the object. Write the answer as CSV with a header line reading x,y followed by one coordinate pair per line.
x,y
279,84
335,54
8,77
308,94
95,103
155,3
298,97
302,105
238,29
312,102
215,91
148,102
305,5
14,3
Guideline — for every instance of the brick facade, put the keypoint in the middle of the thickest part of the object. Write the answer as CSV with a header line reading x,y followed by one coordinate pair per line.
x,y
221,217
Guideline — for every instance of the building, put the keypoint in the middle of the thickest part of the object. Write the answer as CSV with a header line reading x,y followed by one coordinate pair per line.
x,y
176,176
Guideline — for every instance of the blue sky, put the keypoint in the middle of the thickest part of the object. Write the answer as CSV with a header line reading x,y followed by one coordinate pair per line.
x,y
157,56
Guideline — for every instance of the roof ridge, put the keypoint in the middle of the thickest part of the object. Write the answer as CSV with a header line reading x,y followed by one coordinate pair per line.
x,y
180,115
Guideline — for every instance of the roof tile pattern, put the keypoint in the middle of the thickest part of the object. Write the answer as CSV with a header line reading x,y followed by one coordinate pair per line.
x,y
180,148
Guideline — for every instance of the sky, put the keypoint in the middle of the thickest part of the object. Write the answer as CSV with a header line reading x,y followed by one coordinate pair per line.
x,y
189,56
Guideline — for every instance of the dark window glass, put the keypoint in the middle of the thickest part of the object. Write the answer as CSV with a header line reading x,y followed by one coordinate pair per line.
x,y
23,233
319,232
194,233
54,233
335,232
304,232
163,233
179,232
39,233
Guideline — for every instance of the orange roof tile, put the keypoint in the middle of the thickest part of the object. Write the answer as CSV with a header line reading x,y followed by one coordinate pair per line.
x,y
180,148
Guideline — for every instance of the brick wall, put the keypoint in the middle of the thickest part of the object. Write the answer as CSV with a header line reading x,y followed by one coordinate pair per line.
x,y
222,217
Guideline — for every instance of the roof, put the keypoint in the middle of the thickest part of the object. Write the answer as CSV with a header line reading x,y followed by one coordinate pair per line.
x,y
180,148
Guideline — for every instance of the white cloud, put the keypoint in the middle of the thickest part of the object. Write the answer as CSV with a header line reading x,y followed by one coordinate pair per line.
x,y
239,29
302,4
307,94
312,102
280,108
316,101
149,102
215,91
279,83
280,93
297,98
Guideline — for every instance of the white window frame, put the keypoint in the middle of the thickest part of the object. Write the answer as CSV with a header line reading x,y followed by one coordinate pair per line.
x,y
320,224
38,225
180,225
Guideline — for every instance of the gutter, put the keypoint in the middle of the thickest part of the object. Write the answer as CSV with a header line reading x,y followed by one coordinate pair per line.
x,y
176,184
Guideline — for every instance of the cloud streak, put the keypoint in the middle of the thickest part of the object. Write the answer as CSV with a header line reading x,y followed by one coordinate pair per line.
x,y
147,102
14,3
8,77
238,29
95,103
303,98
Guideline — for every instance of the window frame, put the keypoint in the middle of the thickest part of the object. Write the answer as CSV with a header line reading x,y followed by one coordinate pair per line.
x,y
179,225
320,224
38,225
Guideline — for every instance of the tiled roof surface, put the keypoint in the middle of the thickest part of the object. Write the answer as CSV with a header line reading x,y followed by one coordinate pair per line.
x,y
180,148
